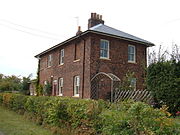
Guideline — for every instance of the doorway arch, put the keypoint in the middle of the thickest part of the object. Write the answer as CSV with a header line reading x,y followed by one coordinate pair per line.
x,y
103,86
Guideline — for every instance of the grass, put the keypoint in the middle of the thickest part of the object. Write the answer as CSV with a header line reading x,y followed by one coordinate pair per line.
x,y
177,120
12,123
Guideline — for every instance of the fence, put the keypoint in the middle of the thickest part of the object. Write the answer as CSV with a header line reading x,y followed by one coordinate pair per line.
x,y
136,95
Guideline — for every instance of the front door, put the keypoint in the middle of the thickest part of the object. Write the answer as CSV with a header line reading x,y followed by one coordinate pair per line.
x,y
54,88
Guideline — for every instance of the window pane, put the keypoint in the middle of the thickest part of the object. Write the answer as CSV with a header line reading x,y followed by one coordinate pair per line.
x,y
106,46
101,53
105,53
133,82
102,45
62,53
131,53
104,49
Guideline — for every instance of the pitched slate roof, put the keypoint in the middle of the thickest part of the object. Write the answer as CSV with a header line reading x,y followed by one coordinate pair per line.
x,y
104,30
109,30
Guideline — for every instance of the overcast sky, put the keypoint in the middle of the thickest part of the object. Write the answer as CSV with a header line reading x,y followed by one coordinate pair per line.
x,y
28,27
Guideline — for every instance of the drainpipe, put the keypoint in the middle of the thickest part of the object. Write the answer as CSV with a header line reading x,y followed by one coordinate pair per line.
x,y
84,52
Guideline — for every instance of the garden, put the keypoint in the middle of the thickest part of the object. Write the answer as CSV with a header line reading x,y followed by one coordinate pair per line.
x,y
89,117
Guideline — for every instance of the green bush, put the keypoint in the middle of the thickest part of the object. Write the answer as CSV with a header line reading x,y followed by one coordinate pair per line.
x,y
88,117
163,79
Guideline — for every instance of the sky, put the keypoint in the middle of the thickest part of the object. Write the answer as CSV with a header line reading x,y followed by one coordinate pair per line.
x,y
28,27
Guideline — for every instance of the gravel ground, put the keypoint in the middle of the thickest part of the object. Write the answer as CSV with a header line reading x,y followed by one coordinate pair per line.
x,y
1,133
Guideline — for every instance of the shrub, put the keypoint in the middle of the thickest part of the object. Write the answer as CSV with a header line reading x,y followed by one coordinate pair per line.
x,y
47,90
88,117
136,118
163,80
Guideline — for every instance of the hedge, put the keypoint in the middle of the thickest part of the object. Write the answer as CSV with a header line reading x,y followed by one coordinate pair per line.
x,y
89,117
163,79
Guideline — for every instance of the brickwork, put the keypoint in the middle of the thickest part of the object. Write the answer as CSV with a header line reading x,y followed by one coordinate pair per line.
x,y
82,58
116,64
69,69
118,60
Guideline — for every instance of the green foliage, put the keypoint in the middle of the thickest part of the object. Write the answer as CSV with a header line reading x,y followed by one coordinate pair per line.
x,y
88,117
39,90
126,82
37,78
137,118
163,80
25,84
14,83
47,90
9,83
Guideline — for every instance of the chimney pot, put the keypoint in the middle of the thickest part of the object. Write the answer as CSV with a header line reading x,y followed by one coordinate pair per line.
x,y
100,17
92,14
97,16
79,31
95,20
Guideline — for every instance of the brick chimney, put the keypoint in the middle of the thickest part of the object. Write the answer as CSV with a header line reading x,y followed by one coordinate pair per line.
x,y
95,20
79,31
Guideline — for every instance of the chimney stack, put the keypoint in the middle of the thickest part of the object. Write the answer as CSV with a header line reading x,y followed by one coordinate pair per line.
x,y
79,31
95,20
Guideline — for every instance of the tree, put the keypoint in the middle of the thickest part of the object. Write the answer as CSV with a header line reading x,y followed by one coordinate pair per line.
x,y
10,83
163,79
25,84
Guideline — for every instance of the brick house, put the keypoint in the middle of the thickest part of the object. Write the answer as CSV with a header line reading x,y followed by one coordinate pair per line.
x,y
71,65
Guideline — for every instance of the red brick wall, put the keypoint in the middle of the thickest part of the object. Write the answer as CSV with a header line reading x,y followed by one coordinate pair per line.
x,y
118,59
117,64
70,68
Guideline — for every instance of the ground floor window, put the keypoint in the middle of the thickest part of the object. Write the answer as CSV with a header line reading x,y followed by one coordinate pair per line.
x,y
76,86
133,83
60,88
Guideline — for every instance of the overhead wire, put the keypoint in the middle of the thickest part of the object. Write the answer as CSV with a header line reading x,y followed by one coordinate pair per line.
x,y
32,31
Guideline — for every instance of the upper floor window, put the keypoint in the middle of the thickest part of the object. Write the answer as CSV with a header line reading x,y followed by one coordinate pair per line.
x,y
77,51
60,88
104,49
49,60
61,59
131,53
76,85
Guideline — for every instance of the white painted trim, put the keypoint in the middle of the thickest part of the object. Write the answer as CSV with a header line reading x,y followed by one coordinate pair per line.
x,y
129,61
108,49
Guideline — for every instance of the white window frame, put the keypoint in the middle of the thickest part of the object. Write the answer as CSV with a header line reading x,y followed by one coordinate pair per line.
x,y
49,60
134,54
61,57
76,86
60,86
102,57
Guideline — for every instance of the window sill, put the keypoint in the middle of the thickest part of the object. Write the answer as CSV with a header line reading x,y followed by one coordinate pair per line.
x,y
49,67
132,62
104,58
77,95
76,60
61,64
60,95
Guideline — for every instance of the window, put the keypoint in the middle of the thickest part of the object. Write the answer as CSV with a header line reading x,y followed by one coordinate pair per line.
x,y
61,62
76,85
50,60
133,83
77,50
131,53
104,49
60,90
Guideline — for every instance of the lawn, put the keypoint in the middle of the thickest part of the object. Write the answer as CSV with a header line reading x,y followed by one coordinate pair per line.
x,y
13,124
